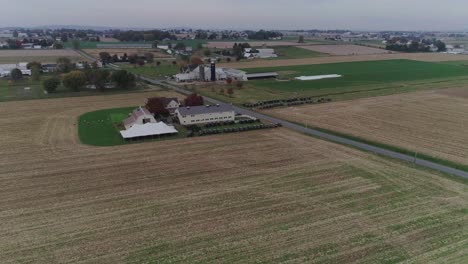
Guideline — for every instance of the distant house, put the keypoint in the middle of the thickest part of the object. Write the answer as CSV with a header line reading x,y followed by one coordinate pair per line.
x,y
205,114
139,116
170,104
5,69
259,53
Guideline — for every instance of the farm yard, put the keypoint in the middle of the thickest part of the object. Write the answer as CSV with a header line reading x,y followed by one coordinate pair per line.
x,y
359,79
120,52
430,123
426,57
44,56
271,196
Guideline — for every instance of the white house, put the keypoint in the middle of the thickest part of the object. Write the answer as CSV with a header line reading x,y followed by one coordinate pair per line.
x,y
5,69
139,116
205,114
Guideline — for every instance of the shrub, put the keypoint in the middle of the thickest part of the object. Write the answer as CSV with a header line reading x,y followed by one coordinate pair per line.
x,y
16,74
74,80
51,84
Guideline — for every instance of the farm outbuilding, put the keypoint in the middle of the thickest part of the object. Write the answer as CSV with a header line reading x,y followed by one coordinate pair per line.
x,y
148,129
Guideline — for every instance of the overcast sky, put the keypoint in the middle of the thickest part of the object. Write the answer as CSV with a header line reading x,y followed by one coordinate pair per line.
x,y
240,14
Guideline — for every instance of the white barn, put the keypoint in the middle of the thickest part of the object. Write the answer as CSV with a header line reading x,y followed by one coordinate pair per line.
x,y
205,114
139,116
220,74
259,53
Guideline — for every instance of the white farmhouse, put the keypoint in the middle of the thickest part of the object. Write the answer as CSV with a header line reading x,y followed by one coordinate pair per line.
x,y
205,114
139,116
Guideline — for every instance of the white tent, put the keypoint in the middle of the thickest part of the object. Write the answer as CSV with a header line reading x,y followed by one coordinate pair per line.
x,y
148,129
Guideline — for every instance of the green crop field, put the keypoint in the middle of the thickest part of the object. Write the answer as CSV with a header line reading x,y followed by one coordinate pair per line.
x,y
290,52
101,128
360,79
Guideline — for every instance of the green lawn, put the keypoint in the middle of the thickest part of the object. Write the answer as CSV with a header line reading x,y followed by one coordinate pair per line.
x,y
360,79
158,72
289,52
101,128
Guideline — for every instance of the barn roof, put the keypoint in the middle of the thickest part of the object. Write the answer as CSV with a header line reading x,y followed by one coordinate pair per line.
x,y
205,109
148,129
140,111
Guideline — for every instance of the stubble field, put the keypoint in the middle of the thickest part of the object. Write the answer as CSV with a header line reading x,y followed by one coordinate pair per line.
x,y
264,196
346,50
426,57
430,122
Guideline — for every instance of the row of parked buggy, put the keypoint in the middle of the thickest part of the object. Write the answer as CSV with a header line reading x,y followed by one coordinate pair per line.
x,y
287,102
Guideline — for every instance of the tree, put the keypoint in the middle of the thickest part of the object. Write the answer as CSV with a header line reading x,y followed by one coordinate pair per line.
x,y
98,78
174,62
76,44
16,74
180,46
194,100
140,62
123,79
35,73
239,84
74,80
58,45
301,39
207,52
64,65
196,60
228,59
149,57
51,84
156,106
230,91
229,80
158,63
32,64
105,57
133,58
440,46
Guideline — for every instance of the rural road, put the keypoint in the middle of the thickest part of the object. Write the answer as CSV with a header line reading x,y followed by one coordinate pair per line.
x,y
330,137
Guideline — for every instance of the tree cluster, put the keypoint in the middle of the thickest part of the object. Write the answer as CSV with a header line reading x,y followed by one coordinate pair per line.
x,y
194,100
263,34
151,35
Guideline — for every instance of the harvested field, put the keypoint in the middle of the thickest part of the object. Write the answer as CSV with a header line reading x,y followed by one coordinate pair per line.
x,y
346,50
230,44
44,56
157,53
270,196
430,122
427,57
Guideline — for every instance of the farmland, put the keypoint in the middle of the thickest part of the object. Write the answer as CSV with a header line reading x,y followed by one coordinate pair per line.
x,y
345,50
432,123
360,79
44,56
269,196
427,57
292,52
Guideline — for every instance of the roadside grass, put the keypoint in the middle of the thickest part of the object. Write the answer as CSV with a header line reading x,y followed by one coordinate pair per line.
x,y
291,52
101,128
153,71
395,149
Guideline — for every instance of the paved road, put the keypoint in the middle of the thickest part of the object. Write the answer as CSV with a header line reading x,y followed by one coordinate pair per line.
x,y
330,137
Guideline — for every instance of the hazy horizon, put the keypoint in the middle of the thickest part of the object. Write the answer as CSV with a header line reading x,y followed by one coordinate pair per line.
x,y
241,14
